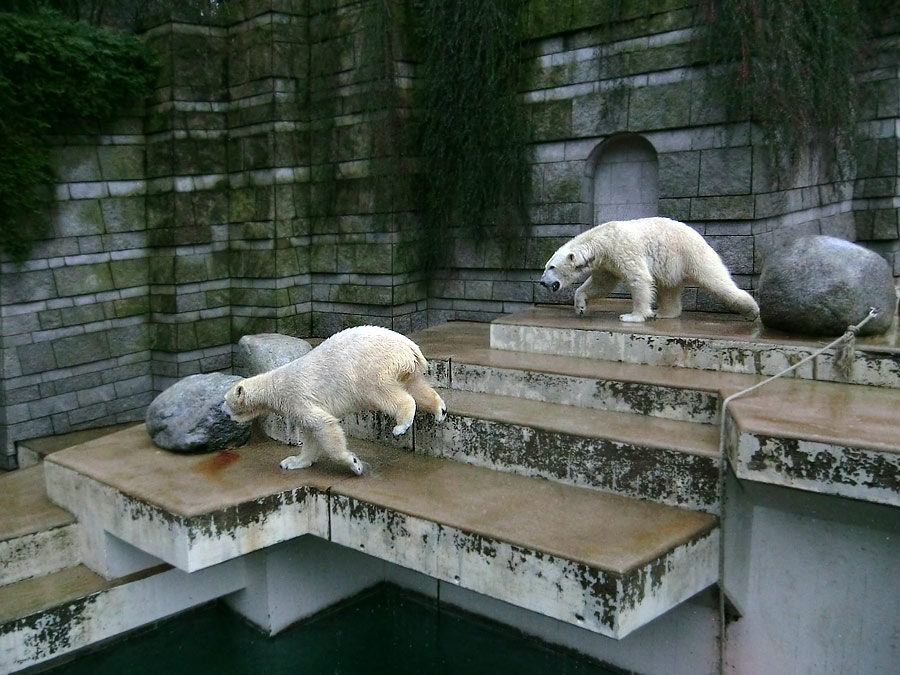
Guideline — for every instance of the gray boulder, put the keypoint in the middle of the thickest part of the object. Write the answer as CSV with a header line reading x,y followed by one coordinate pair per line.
x,y
261,353
264,351
819,285
190,416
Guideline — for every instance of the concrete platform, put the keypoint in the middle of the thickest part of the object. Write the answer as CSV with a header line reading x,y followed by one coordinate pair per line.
x,y
604,562
695,340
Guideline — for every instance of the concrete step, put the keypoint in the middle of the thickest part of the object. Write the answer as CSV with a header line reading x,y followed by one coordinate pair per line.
x,y
825,437
33,451
601,561
460,357
695,340
661,460
818,436
36,536
51,616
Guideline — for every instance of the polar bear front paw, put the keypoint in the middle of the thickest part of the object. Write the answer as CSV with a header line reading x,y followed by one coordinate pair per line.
x,y
441,413
401,429
295,462
632,318
580,305
357,466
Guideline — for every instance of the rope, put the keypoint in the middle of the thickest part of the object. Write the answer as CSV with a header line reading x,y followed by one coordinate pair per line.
x,y
843,362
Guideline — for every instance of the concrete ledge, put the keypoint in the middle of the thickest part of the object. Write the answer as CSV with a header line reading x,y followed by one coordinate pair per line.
x,y
619,562
696,340
39,624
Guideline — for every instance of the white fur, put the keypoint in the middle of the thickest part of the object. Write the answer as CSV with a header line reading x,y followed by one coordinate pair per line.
x,y
654,257
358,369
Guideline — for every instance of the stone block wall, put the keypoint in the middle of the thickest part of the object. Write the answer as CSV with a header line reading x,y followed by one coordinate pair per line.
x,y
75,329
638,78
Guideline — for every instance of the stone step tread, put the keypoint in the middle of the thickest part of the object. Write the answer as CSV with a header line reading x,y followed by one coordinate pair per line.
x,y
469,343
638,430
32,596
47,445
603,316
831,412
603,530
25,507
846,415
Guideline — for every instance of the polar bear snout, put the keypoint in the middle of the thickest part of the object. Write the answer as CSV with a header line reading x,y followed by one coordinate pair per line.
x,y
553,286
550,281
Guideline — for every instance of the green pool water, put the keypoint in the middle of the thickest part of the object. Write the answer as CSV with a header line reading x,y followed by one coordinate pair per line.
x,y
385,630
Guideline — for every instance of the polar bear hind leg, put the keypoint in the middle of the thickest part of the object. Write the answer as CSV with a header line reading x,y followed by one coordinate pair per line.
x,y
669,302
426,398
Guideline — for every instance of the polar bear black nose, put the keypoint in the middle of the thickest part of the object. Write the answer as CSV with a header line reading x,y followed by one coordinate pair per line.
x,y
555,286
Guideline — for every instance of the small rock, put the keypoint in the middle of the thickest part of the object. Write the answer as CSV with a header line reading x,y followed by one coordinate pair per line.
x,y
261,353
819,285
191,416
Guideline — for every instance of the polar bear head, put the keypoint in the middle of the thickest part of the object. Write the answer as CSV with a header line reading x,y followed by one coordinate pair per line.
x,y
238,404
564,266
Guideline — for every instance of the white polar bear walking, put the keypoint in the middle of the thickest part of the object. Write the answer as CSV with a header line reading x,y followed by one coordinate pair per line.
x,y
653,256
355,370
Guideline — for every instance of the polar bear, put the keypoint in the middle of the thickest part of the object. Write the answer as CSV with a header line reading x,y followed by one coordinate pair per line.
x,y
355,370
653,256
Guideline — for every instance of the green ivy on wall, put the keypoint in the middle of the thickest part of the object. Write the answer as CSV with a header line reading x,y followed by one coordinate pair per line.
x,y
56,76
791,67
474,127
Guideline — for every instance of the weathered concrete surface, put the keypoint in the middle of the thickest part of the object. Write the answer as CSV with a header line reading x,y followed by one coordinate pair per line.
x,y
669,462
699,341
36,536
584,391
622,561
191,511
600,561
45,618
822,437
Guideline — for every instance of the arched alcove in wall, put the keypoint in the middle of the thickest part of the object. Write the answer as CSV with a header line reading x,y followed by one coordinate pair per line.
x,y
623,180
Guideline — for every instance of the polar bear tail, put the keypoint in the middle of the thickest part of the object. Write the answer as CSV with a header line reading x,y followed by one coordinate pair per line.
x,y
420,363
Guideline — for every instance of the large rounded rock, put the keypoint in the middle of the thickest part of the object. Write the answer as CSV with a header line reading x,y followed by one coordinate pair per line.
x,y
819,285
190,416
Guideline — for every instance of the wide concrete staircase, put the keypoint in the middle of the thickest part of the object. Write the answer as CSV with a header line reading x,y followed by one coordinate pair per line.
x,y
578,475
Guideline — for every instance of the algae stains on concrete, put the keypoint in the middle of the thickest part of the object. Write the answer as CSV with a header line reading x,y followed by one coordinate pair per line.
x,y
860,473
53,631
661,475
588,392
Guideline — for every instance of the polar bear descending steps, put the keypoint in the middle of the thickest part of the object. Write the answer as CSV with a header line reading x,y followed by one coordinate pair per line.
x,y
653,256
358,369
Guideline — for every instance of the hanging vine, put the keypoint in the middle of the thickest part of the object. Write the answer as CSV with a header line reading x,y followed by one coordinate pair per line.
x,y
474,126
56,76
791,67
